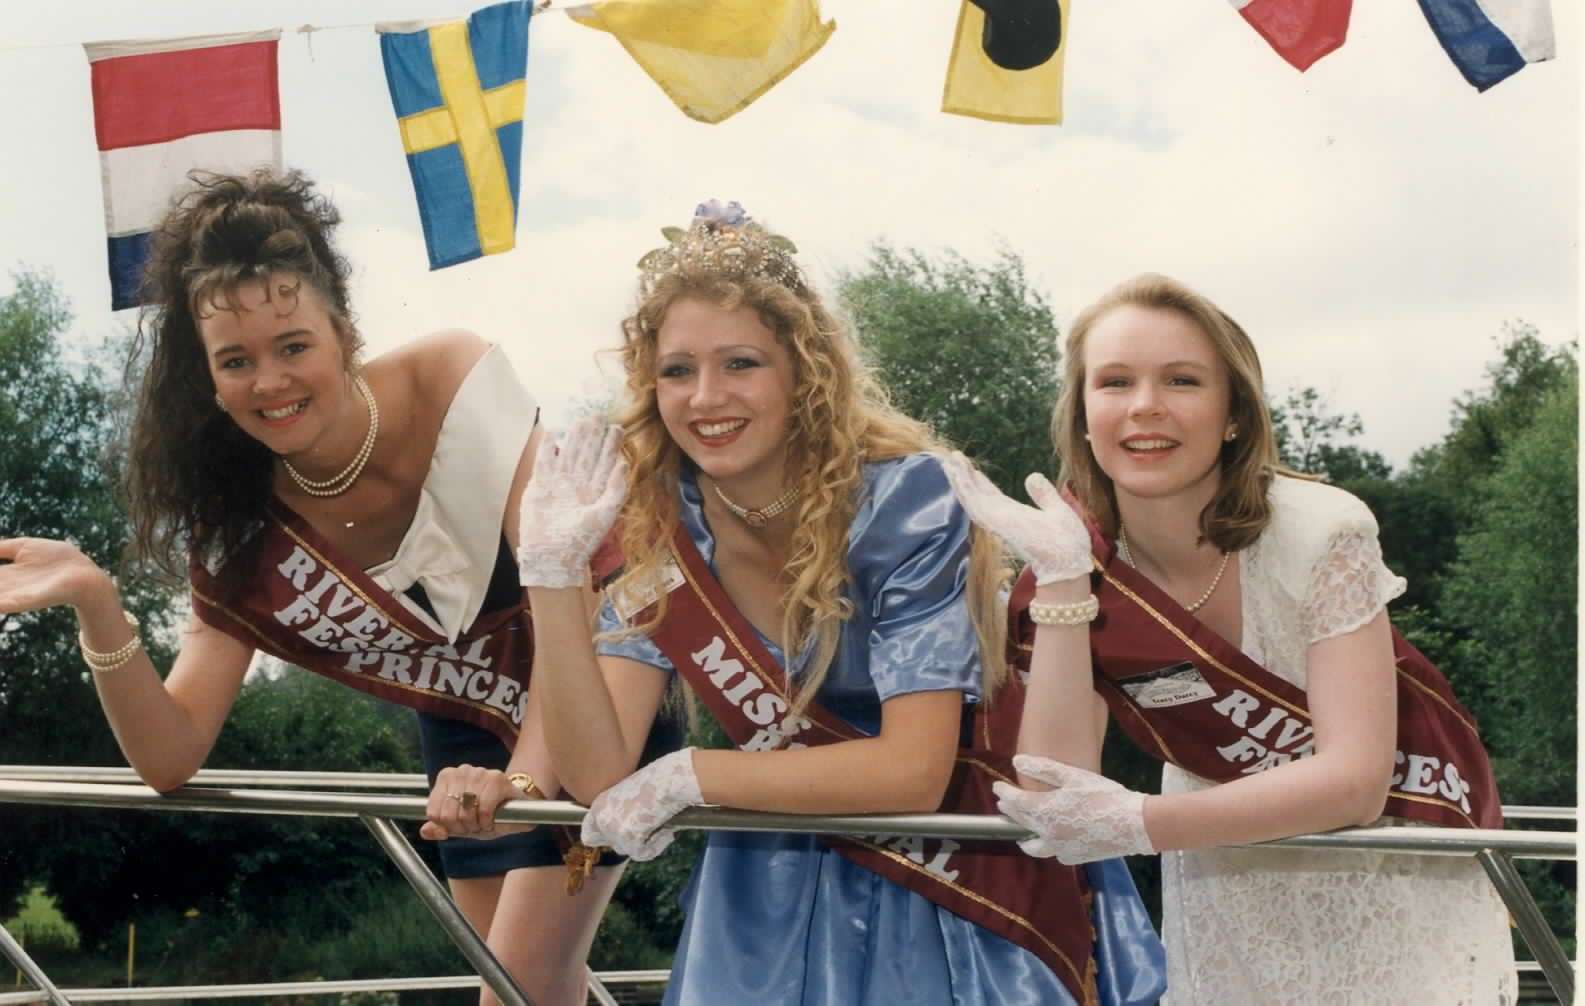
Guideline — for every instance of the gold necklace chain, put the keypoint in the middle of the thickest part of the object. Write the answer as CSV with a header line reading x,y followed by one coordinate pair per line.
x,y
1128,557
342,481
757,518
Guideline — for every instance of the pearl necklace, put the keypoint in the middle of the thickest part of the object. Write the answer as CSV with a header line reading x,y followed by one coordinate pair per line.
x,y
758,518
1128,557
343,480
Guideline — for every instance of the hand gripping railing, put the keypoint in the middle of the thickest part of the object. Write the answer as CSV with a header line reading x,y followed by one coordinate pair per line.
x,y
59,787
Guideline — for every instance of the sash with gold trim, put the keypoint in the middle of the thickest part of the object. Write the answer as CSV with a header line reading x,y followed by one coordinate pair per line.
x,y
1038,904
1185,695
302,602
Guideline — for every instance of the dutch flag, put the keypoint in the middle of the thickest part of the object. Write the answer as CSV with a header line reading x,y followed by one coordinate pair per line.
x,y
166,107
1491,40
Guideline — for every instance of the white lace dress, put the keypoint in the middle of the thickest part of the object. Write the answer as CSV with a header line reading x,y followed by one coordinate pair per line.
x,y
1281,927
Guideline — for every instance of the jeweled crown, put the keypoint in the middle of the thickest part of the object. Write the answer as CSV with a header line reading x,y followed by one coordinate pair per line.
x,y
723,241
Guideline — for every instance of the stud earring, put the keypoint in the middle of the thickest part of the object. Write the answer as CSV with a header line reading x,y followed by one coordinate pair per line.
x,y
1231,434
220,403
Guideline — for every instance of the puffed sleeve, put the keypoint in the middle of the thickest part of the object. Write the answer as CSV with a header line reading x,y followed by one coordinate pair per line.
x,y
909,556
1333,559
637,646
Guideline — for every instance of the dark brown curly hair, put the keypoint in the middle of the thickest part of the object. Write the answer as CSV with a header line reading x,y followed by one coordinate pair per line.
x,y
195,481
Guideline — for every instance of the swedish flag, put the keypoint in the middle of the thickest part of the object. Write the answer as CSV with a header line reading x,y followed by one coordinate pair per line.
x,y
458,91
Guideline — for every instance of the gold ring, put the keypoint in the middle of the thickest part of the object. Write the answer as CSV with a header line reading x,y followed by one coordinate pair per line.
x,y
469,799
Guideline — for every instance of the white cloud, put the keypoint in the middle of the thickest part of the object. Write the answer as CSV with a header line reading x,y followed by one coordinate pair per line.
x,y
1372,221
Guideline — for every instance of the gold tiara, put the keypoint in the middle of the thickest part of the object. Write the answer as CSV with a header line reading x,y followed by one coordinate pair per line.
x,y
722,241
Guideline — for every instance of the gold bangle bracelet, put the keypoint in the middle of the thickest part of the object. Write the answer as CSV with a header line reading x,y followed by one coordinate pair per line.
x,y
104,663
526,783
1078,613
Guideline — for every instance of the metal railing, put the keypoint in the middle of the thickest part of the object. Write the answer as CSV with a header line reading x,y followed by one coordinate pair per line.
x,y
213,791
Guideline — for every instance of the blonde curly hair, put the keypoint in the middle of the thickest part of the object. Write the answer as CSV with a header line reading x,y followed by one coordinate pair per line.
x,y
840,419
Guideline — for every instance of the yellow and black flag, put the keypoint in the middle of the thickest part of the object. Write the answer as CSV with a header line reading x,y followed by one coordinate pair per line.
x,y
1006,62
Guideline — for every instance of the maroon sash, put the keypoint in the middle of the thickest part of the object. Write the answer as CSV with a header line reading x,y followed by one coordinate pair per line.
x,y
1039,904
306,605
1186,696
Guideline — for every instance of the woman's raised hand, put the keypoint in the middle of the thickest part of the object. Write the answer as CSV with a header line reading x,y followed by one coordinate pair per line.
x,y
40,573
570,503
1050,536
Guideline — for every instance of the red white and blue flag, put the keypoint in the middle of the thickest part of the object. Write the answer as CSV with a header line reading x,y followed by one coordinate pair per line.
x,y
1302,31
1491,40
165,107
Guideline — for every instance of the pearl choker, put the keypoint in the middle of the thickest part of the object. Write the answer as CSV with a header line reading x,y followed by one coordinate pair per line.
x,y
757,518
1122,549
343,480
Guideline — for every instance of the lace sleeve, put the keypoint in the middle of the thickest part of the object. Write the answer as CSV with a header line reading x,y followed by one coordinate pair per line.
x,y
1348,587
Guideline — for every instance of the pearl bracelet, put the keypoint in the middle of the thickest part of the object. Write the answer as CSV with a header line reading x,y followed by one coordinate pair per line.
x,y
1078,613
103,663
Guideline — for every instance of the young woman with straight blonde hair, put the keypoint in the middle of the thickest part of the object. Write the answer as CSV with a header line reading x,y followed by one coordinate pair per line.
x,y
1240,634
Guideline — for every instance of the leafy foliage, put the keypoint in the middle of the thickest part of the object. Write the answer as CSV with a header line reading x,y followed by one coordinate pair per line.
x,y
1309,436
969,349
58,480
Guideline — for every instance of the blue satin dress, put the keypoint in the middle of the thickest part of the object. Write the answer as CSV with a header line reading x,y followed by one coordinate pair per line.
x,y
781,920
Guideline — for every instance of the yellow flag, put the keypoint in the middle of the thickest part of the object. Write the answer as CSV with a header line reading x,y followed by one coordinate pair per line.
x,y
978,87
712,57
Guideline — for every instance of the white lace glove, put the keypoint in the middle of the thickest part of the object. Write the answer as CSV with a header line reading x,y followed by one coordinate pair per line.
x,y
1052,538
579,482
630,817
1084,818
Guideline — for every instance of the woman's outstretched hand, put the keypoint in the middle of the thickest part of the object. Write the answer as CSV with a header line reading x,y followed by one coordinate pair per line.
x,y
1082,818
38,573
1049,536
630,817
570,503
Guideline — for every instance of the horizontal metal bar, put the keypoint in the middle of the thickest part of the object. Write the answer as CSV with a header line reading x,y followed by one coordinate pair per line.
x,y
413,781
225,777
315,988
1443,841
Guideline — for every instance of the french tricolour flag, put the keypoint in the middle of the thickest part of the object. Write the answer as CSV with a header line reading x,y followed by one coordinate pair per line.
x,y
1491,40
1301,31
164,108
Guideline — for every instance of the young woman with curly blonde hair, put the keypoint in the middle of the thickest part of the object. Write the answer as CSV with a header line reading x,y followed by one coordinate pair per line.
x,y
795,556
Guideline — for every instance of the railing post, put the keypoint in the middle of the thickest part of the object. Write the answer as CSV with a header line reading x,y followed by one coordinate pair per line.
x,y
445,911
1538,935
35,974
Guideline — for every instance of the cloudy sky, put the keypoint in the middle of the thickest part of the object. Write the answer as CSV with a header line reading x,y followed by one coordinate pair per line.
x,y
1372,222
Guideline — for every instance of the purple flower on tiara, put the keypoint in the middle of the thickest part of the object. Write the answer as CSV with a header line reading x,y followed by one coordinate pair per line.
x,y
730,215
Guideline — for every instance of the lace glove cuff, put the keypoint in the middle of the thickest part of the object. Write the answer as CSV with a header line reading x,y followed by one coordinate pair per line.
x,y
1084,818
630,816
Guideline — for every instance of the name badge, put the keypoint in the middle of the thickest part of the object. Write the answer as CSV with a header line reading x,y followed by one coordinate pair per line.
x,y
1165,687
631,598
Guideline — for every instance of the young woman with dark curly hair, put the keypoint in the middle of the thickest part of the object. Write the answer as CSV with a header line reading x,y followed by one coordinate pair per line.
x,y
353,518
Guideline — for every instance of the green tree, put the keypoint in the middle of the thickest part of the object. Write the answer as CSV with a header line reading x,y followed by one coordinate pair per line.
x,y
1487,418
1310,439
57,480
1513,589
970,349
